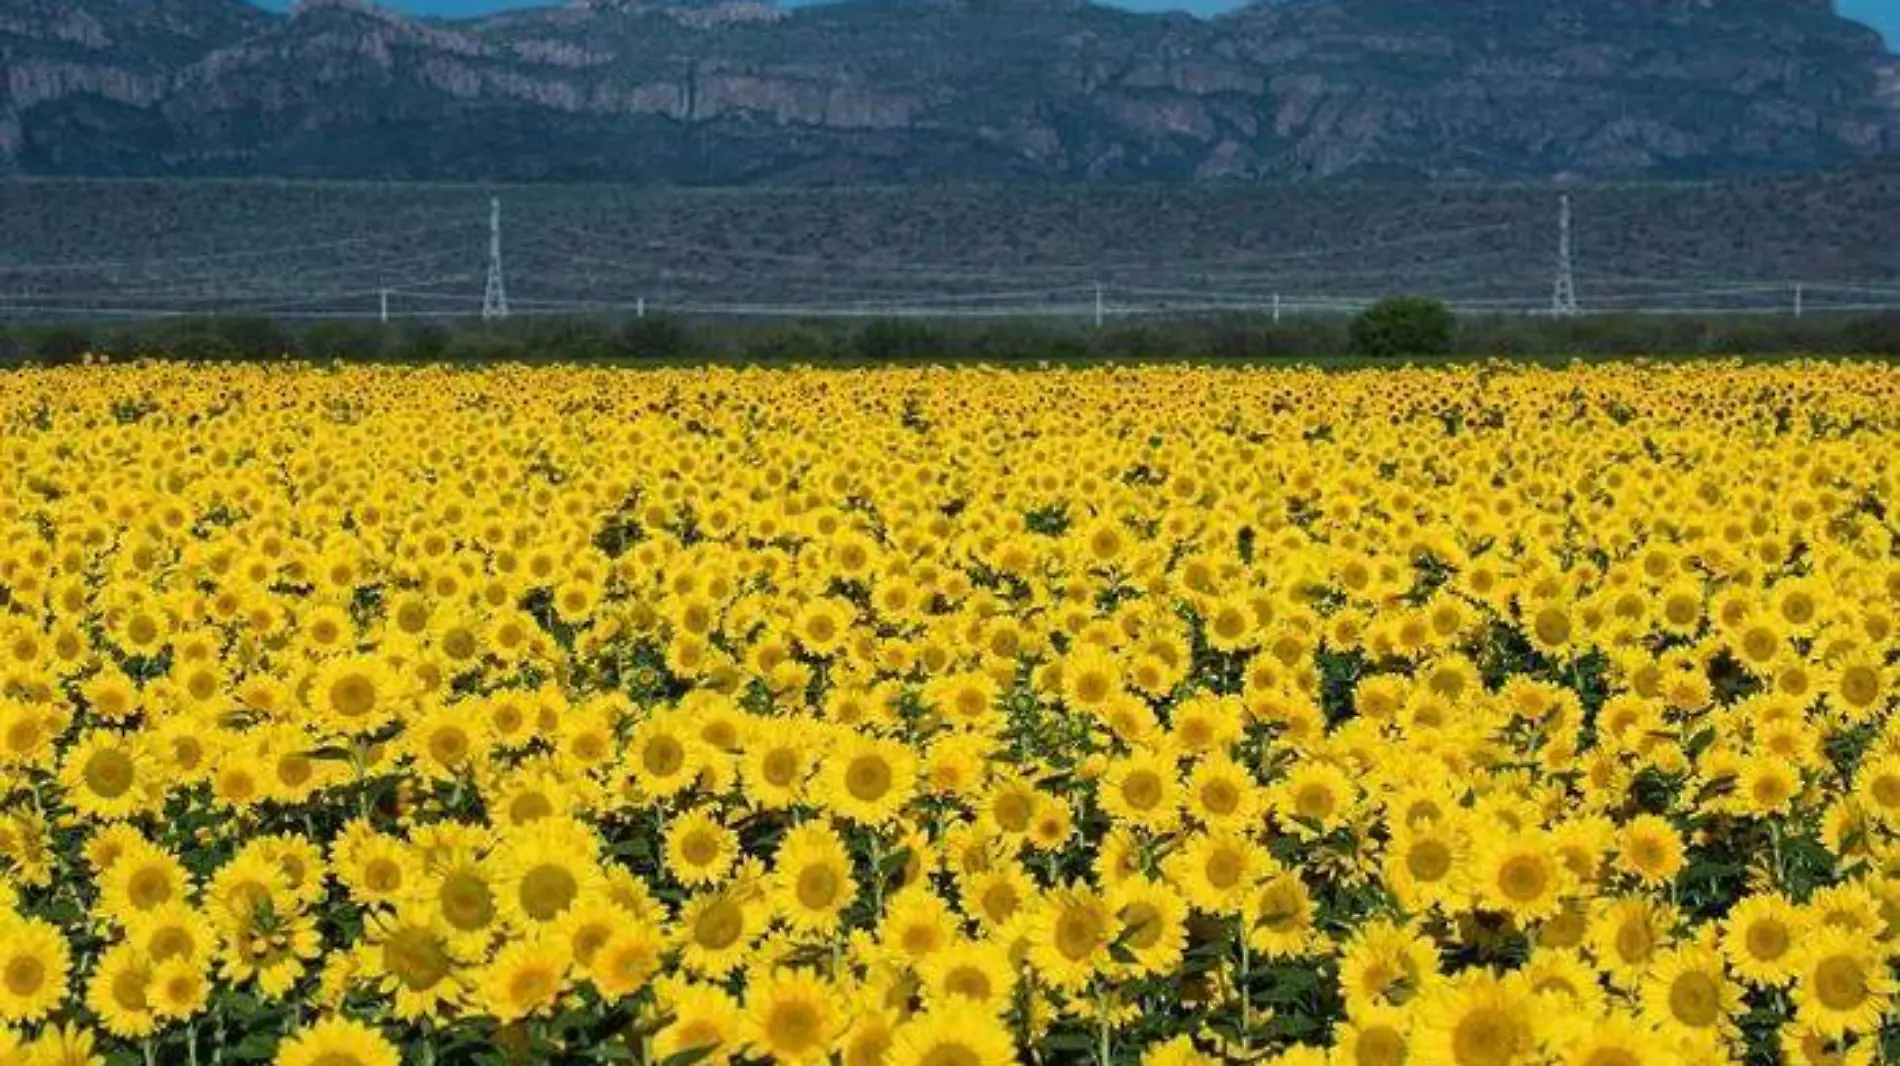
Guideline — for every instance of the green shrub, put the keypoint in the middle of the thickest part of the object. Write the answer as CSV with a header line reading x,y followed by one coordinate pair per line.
x,y
656,337
902,341
1400,327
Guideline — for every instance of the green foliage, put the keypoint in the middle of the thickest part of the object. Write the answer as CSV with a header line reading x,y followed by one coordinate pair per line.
x,y
1222,339
912,342
656,337
1401,327
62,344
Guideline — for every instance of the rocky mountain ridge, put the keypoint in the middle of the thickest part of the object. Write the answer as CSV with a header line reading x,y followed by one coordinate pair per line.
x,y
742,91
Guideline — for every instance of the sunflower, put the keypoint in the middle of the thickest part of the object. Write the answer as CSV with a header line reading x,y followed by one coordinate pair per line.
x,y
589,924
291,775
179,989
1052,823
1222,794
446,741
1651,850
1217,870
172,931
716,930
1862,684
1521,875
1385,963
544,869
868,1040
775,762
1803,1045
269,946
1759,644
143,880
704,1019
530,792
411,957
1688,992
972,970
34,960
585,735
1844,984
1373,1036
1153,919
1582,843
1567,980
1797,603
27,733
1761,937
917,924
1180,1051
1229,625
376,868
1616,1041
626,961
337,1041
811,879
1626,934
70,1044
240,778
1767,786
955,764
1091,679
108,775
997,896
1279,917
1476,1019
1142,790
867,779
966,701
1877,787
354,695
1426,863
1851,906
792,1016
465,890
1071,936
699,850
111,695
120,993
957,1034
823,625
1316,798
525,978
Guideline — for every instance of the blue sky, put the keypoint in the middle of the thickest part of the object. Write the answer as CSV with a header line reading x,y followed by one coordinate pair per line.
x,y
1883,15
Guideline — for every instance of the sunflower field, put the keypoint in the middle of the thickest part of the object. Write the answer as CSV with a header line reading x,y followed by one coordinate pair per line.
x,y
1487,716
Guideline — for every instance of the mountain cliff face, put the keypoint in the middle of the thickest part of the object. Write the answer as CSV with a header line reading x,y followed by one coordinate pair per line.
x,y
742,91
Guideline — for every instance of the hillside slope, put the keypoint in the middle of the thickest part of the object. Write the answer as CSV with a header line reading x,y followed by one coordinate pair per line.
x,y
742,91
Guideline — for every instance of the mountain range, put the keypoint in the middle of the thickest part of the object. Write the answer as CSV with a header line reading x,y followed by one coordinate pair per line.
x,y
746,92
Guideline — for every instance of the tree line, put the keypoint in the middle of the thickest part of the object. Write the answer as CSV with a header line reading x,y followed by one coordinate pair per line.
x,y
1401,328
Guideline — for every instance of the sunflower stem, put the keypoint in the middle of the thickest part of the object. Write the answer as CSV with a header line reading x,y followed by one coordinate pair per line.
x,y
1774,845
1246,996
358,766
1105,1031
1024,995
